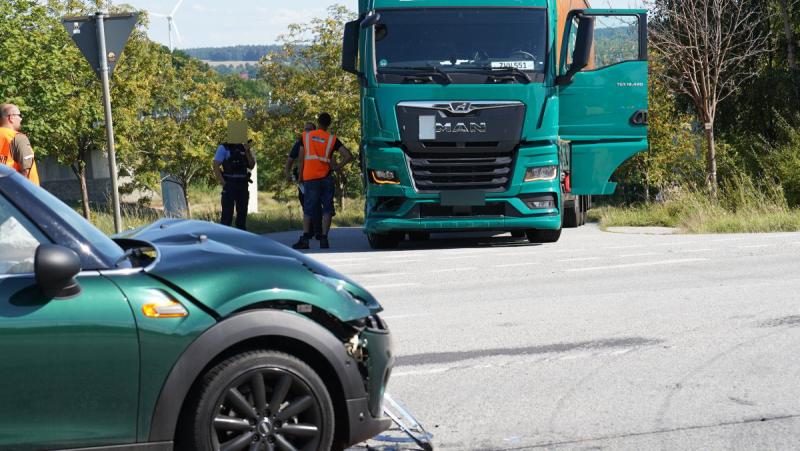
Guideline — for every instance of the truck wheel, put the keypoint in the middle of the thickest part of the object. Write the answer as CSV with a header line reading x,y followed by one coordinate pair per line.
x,y
571,216
262,400
383,240
543,235
419,236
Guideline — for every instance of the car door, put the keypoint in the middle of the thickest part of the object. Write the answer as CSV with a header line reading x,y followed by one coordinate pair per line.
x,y
69,367
603,110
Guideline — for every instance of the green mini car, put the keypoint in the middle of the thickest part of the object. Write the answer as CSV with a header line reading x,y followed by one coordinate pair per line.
x,y
178,335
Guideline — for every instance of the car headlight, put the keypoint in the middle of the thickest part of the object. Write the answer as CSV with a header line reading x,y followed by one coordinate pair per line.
x,y
339,287
541,173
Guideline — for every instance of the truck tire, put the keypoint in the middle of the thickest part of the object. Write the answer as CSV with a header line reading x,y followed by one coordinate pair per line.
x,y
384,240
543,235
260,399
571,215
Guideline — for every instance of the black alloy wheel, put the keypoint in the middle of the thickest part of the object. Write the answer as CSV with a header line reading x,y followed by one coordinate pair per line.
x,y
264,401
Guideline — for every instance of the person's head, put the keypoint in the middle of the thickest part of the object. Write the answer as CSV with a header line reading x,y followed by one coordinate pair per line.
x,y
324,120
309,127
10,116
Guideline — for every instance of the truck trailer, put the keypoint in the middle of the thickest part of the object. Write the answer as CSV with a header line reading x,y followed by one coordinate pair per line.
x,y
493,115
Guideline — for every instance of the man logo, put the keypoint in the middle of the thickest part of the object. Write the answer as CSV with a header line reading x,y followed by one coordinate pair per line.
x,y
460,107
461,127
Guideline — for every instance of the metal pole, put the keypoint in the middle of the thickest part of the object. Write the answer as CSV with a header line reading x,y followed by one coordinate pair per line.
x,y
112,158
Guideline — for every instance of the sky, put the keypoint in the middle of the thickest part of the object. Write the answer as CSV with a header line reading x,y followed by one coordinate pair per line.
x,y
217,23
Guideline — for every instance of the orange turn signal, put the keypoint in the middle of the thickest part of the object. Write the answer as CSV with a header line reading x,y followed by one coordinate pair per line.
x,y
164,309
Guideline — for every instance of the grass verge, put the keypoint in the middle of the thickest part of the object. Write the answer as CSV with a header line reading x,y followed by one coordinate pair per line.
x,y
741,207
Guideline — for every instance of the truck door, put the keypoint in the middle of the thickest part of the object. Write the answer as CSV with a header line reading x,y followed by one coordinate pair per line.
x,y
603,110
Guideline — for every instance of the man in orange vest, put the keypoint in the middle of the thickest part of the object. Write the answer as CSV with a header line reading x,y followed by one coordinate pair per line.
x,y
315,165
15,149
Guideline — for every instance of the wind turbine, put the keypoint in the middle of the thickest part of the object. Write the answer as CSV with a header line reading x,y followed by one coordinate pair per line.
x,y
171,24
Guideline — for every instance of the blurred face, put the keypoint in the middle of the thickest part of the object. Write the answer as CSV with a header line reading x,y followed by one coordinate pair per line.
x,y
14,119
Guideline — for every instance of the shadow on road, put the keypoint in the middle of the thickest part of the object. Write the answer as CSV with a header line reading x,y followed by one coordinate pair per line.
x,y
352,239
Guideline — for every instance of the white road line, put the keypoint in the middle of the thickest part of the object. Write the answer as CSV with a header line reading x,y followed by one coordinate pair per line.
x,y
635,265
579,259
342,260
626,247
450,269
643,254
735,238
458,258
692,251
385,274
401,261
392,285
410,315
512,265
753,246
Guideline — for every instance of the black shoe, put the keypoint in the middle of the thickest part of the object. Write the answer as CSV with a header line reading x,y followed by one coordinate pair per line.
x,y
323,242
302,243
318,237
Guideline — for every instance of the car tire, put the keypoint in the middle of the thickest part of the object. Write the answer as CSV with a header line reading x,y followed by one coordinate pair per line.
x,y
383,240
289,407
543,235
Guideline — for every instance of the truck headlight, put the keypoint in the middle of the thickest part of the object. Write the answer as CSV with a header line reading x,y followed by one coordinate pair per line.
x,y
541,173
384,177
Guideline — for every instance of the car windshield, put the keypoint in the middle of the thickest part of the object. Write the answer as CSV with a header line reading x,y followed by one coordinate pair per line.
x,y
101,242
461,38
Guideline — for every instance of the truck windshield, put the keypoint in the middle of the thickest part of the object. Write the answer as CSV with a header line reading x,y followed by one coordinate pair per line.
x,y
427,41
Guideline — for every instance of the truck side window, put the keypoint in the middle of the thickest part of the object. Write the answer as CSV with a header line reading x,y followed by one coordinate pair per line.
x,y
616,40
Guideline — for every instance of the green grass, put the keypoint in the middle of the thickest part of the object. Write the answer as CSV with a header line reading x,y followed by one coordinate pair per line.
x,y
741,207
273,215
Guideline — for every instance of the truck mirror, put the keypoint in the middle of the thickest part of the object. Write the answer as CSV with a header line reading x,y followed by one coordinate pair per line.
x,y
350,47
583,49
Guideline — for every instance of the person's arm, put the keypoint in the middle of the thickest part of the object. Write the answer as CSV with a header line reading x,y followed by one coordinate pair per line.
x,y
218,173
219,157
22,153
251,160
301,158
287,169
347,157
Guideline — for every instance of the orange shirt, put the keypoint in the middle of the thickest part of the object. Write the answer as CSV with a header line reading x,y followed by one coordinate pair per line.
x,y
318,146
6,157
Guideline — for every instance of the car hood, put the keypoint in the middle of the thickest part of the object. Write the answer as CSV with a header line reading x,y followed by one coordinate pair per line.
x,y
229,270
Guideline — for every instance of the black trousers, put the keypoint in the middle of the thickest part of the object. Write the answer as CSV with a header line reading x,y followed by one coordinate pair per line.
x,y
235,194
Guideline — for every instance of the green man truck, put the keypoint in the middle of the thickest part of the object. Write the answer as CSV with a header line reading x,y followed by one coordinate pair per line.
x,y
498,115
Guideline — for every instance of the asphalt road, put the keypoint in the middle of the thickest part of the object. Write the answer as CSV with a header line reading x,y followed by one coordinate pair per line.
x,y
600,341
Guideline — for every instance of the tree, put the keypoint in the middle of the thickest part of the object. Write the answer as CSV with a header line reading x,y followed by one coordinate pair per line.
x,y
712,46
306,77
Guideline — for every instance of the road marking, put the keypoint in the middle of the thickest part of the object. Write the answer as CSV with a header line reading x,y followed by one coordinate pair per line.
x,y
692,251
342,260
626,247
512,265
410,315
458,258
754,246
386,274
392,285
635,265
402,261
579,259
643,254
738,238
450,269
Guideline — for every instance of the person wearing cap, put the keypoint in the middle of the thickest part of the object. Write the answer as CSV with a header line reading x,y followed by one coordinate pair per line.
x,y
316,163
15,148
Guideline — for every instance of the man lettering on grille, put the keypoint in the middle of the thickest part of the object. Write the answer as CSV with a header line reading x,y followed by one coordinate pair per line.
x,y
15,149
232,165
316,164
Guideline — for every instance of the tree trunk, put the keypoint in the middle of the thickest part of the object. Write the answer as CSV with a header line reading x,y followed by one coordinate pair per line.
x,y
711,160
80,172
787,29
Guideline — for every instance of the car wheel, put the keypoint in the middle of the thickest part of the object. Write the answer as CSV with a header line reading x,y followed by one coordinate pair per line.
x,y
262,400
384,240
543,235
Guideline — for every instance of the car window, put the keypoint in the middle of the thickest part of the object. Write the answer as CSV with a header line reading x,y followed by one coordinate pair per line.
x,y
19,239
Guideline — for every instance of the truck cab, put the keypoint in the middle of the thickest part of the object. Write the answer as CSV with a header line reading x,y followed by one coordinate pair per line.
x,y
499,115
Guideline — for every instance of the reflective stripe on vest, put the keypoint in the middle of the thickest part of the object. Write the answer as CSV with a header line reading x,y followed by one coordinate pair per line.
x,y
318,146
6,137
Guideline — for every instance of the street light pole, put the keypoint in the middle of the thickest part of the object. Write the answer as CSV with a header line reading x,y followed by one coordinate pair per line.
x,y
112,159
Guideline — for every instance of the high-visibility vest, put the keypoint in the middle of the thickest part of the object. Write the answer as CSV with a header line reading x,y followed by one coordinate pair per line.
x,y
6,137
318,146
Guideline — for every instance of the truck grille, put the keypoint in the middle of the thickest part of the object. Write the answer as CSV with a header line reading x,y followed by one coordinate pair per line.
x,y
434,171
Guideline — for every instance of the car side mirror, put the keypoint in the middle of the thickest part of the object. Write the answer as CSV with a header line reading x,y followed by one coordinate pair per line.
x,y
55,268
582,52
